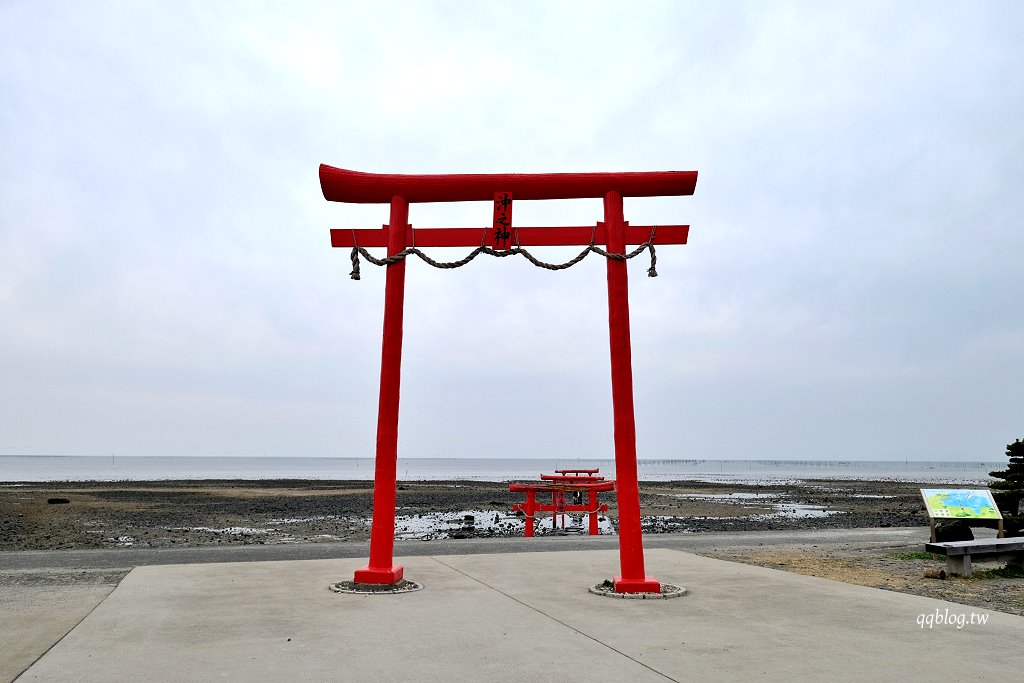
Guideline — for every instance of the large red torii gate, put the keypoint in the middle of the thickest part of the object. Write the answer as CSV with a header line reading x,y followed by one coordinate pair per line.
x,y
399,191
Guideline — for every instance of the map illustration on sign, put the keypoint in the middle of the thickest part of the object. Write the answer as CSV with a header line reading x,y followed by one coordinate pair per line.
x,y
960,503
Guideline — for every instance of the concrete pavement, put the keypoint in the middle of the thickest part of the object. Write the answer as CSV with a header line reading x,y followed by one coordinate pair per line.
x,y
32,618
527,616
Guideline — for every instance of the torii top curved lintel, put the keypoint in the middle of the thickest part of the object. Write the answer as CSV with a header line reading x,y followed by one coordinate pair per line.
x,y
353,187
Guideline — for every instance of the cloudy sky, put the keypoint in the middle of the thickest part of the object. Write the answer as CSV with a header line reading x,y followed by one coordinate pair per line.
x,y
852,288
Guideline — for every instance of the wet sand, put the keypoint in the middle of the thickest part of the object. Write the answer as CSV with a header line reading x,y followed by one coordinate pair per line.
x,y
169,513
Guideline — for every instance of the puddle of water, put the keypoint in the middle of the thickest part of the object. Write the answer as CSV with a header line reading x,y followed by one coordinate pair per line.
x,y
846,491
742,495
438,525
798,510
300,520
574,524
443,524
273,534
234,530
782,510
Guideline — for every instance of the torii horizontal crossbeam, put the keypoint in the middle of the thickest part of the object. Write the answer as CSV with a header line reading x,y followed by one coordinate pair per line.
x,y
342,185
527,237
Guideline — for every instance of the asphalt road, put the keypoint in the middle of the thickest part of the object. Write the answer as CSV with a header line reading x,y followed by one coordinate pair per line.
x,y
126,558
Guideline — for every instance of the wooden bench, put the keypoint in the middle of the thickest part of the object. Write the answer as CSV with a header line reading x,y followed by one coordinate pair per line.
x,y
959,553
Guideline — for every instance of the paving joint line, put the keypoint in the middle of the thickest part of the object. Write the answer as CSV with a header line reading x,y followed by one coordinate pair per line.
x,y
555,619
61,639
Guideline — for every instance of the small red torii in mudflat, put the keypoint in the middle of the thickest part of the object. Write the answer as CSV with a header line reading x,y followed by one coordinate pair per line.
x,y
399,191
576,482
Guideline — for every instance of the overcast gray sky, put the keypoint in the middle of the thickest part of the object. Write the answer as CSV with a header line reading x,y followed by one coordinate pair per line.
x,y
852,288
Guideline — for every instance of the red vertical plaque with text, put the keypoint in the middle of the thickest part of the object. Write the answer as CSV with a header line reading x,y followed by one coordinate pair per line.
x,y
502,220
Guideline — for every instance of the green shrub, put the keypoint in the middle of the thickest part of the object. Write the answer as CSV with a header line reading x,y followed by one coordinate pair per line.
x,y
1009,492
917,555
1001,573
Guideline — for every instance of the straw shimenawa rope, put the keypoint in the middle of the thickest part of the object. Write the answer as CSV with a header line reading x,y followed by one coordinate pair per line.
x,y
501,253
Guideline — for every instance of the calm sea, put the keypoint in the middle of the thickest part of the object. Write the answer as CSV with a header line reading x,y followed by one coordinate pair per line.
x,y
15,468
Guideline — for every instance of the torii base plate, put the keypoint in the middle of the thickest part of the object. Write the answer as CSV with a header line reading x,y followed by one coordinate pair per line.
x,y
379,575
648,584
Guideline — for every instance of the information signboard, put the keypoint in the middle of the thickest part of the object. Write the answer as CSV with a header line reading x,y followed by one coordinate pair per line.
x,y
960,504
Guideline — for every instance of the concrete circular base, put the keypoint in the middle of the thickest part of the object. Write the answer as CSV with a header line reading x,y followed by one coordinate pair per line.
x,y
403,586
606,590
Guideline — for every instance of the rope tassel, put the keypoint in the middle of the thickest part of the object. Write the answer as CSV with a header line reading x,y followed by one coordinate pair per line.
x,y
355,264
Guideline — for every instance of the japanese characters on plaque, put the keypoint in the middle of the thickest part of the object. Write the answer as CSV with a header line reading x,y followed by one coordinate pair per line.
x,y
502,219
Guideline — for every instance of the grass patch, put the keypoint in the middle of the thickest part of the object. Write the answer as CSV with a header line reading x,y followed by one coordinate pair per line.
x,y
1001,573
917,555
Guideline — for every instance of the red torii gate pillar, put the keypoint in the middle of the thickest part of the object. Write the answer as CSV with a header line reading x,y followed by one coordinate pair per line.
x,y
380,568
398,190
627,489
